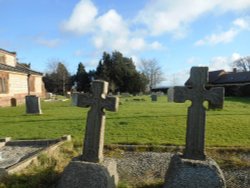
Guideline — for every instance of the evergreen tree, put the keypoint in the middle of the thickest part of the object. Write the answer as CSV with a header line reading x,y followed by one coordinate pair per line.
x,y
82,78
121,73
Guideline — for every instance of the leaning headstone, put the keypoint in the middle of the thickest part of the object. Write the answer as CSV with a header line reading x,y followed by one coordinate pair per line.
x,y
153,97
33,105
193,168
91,169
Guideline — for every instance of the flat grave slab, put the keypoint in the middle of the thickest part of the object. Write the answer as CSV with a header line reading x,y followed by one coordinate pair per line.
x,y
17,154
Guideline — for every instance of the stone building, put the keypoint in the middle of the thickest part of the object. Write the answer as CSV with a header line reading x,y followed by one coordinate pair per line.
x,y
17,80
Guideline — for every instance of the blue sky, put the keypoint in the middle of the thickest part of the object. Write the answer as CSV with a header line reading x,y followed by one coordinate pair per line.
x,y
178,34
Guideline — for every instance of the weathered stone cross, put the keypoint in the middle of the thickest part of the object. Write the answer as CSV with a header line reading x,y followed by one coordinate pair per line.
x,y
196,120
94,134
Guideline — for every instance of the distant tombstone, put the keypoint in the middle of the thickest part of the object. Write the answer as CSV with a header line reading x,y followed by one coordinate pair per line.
x,y
68,94
125,95
13,102
33,105
171,94
192,169
92,170
153,97
49,95
159,93
212,106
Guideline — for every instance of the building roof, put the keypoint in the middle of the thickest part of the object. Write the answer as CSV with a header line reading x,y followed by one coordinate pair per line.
x,y
19,68
215,75
6,51
221,77
232,78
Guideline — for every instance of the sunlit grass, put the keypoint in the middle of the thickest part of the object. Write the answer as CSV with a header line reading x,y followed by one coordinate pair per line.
x,y
137,122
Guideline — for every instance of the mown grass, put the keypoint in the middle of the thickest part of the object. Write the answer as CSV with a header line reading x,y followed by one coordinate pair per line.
x,y
136,122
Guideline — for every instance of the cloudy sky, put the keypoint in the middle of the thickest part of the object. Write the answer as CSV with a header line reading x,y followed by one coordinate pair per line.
x,y
179,34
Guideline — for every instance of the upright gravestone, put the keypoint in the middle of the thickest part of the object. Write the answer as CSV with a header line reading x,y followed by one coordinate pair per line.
x,y
91,169
171,94
33,105
153,97
194,169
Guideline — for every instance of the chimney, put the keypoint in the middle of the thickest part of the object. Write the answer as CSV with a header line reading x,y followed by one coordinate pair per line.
x,y
234,70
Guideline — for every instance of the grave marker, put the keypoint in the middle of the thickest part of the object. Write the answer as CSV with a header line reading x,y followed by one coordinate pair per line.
x,y
197,94
94,134
90,170
193,169
33,105
153,97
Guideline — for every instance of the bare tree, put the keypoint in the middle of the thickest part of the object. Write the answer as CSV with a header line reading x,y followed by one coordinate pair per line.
x,y
242,64
152,71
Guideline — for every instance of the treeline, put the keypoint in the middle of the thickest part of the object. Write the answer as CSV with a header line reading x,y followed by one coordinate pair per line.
x,y
114,68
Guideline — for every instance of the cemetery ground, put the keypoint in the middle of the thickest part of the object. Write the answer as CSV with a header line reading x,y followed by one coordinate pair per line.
x,y
148,126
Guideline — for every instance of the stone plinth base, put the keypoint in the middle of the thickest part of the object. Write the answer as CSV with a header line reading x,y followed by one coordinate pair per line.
x,y
186,173
81,174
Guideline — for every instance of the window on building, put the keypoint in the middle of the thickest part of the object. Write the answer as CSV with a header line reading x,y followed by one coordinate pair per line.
x,y
3,85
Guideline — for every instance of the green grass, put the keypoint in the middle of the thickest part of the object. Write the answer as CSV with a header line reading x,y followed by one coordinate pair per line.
x,y
137,122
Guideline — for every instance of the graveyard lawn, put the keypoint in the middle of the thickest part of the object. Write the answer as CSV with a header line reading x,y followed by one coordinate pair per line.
x,y
138,121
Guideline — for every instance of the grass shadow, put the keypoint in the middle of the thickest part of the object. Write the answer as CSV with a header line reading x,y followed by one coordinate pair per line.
x,y
45,178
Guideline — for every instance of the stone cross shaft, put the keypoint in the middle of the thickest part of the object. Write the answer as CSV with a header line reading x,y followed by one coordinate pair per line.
x,y
94,134
196,120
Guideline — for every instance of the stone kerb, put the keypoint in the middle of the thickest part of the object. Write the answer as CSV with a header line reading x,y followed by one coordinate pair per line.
x,y
43,146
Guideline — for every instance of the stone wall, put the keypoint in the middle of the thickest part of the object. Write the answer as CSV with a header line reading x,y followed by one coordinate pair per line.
x,y
18,83
9,59
18,89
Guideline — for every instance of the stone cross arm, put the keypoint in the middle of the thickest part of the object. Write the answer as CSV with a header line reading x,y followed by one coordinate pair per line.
x,y
84,100
215,95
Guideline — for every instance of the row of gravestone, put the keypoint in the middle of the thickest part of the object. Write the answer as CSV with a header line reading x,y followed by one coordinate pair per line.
x,y
190,169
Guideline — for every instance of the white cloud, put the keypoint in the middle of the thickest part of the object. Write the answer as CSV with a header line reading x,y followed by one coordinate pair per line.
x,y
161,16
238,25
109,31
242,23
233,5
176,79
112,23
223,37
82,18
221,62
51,43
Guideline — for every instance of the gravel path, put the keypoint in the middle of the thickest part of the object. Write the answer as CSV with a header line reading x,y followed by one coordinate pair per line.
x,y
145,167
